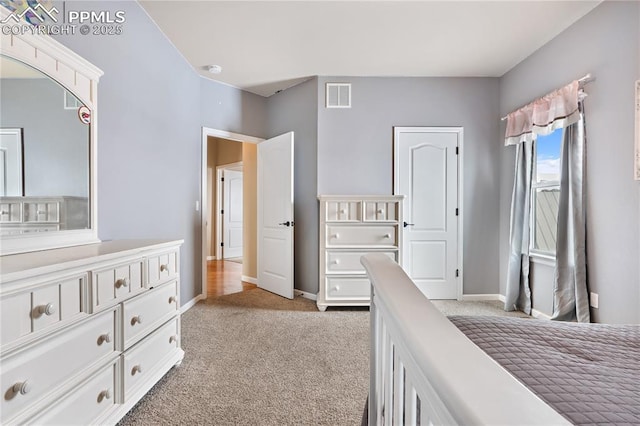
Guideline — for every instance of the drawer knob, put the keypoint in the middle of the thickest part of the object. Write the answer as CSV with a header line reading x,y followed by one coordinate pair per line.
x,y
380,211
4,212
136,369
22,388
122,282
343,211
387,236
48,309
336,235
336,288
105,394
164,268
104,338
173,338
336,262
172,299
136,319
41,212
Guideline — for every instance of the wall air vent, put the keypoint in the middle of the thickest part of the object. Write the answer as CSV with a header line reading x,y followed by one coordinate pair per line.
x,y
338,95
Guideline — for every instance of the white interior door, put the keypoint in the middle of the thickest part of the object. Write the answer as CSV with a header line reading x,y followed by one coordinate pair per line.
x,y
232,214
426,172
275,215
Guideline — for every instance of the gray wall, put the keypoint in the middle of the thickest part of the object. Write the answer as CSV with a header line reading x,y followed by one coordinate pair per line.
x,y
606,43
152,106
56,142
355,150
296,109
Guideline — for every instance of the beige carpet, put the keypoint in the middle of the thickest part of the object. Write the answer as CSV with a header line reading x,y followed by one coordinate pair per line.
x,y
253,358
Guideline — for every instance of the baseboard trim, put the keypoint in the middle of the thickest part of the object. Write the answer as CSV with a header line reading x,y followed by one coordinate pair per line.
x,y
190,304
479,297
250,280
502,298
305,294
211,258
539,315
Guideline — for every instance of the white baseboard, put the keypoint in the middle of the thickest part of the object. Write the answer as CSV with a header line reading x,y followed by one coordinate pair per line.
x,y
305,294
211,258
184,308
502,298
250,280
479,297
540,315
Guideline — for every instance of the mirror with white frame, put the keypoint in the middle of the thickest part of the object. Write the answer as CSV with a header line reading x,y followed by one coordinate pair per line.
x,y
47,146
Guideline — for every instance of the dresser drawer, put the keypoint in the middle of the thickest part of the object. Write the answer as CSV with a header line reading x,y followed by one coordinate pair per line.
x,y
349,261
143,360
11,212
43,307
339,288
32,374
372,235
145,312
380,211
116,283
162,267
87,402
42,212
343,211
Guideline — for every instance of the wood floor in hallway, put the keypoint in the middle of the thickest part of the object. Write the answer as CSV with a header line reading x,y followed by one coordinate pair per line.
x,y
225,277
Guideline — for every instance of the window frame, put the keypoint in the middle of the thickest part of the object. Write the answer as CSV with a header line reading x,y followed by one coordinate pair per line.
x,y
545,256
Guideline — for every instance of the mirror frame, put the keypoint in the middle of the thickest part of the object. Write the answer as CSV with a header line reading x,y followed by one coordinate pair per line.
x,y
80,77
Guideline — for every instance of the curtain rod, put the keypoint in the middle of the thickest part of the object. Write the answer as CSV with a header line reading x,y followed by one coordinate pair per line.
x,y
584,80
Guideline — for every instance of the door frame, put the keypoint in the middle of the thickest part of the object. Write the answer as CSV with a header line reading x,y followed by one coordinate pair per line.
x,y
204,211
460,132
219,202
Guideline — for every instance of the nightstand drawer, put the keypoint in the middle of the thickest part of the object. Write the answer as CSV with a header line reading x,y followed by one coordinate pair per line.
x,y
380,211
382,236
32,374
116,283
349,261
348,288
11,212
145,312
42,212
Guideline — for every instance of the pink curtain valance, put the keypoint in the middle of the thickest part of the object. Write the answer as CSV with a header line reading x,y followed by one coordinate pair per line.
x,y
556,110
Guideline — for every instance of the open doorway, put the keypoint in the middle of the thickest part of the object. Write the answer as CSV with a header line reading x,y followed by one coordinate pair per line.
x,y
229,201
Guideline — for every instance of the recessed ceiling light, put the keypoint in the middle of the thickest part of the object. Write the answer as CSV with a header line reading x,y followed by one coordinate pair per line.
x,y
214,69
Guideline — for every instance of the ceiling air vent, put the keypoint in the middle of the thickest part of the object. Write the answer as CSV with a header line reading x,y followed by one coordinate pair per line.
x,y
338,95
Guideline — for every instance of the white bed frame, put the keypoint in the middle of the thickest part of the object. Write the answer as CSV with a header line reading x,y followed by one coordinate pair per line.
x,y
417,353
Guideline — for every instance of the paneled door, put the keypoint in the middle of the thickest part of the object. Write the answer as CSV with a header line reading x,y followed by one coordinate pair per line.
x,y
426,173
232,214
275,215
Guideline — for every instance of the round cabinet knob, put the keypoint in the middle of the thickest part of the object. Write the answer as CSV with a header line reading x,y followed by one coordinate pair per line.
x,y
48,309
4,212
22,388
387,236
122,282
380,211
136,319
104,338
336,262
343,211
105,394
173,339
136,369
335,288
336,235
172,299
164,268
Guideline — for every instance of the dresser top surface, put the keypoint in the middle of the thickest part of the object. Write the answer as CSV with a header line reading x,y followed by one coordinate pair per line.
x,y
76,255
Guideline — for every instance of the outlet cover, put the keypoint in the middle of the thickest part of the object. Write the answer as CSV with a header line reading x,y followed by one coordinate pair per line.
x,y
593,300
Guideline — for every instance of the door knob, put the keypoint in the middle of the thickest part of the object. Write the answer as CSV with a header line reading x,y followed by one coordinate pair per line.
x,y
405,224
287,223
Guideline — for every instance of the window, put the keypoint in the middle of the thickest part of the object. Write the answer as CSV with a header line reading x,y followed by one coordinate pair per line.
x,y
545,193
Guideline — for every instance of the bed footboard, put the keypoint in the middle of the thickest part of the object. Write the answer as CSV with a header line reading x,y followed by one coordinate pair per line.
x,y
425,371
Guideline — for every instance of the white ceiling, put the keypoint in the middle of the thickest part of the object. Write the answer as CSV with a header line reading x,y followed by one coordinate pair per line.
x,y
266,46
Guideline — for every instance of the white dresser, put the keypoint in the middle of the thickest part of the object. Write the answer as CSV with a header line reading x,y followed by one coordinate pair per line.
x,y
20,215
86,331
351,226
